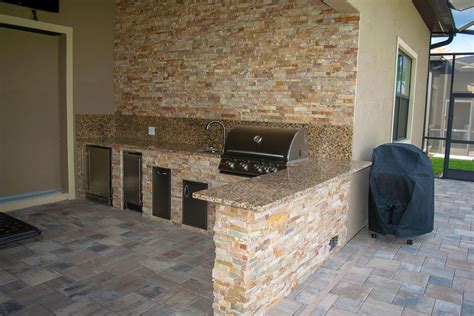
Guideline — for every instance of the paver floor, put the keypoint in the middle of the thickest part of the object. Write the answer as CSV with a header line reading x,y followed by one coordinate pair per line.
x,y
385,276
96,260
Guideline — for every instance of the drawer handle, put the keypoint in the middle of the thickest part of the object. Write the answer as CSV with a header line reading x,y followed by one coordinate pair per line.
x,y
186,191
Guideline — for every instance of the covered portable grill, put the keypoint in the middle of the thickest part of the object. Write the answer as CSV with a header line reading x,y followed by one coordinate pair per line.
x,y
401,191
253,151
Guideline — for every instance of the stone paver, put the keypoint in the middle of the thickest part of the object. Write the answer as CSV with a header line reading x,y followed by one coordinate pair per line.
x,y
388,277
92,259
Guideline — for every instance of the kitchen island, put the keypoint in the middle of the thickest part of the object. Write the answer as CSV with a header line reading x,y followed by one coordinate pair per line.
x,y
273,231
270,232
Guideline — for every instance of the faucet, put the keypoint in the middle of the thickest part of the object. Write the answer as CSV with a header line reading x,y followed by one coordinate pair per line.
x,y
208,125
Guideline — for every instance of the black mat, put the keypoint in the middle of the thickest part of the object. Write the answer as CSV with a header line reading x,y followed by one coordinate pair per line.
x,y
12,229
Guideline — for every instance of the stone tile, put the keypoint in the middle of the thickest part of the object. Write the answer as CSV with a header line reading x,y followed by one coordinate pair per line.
x,y
388,274
83,307
334,311
387,254
385,264
435,280
178,299
37,276
410,267
125,284
327,302
161,310
347,304
351,291
447,307
459,284
6,277
30,295
131,304
306,296
54,301
12,286
35,309
203,305
414,301
442,272
460,264
443,293
374,307
10,307
412,288
467,309
412,312
419,278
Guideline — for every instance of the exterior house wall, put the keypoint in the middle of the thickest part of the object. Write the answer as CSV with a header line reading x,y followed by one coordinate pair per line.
x,y
381,23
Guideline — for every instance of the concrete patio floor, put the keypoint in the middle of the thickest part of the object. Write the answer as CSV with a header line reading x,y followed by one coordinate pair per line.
x,y
93,259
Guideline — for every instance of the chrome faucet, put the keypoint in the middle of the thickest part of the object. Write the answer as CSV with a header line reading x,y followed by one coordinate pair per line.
x,y
208,125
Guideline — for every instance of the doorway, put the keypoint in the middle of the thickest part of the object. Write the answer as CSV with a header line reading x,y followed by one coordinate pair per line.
x,y
459,159
449,129
64,181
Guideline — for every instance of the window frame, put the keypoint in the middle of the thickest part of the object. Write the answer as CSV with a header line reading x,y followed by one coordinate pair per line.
x,y
406,50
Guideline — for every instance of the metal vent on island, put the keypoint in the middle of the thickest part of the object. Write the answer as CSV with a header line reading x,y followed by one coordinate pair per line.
x,y
333,242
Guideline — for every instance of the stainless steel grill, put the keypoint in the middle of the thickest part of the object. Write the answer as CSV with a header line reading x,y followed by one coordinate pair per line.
x,y
253,151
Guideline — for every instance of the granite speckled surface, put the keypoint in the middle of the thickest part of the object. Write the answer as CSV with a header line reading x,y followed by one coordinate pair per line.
x,y
263,192
324,141
147,144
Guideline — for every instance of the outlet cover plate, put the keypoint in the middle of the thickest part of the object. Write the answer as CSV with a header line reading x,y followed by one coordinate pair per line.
x,y
151,130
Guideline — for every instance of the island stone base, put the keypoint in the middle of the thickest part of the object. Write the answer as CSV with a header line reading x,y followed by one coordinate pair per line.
x,y
262,255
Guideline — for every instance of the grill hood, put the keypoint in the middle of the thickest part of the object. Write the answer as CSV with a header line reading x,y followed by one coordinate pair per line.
x,y
257,150
282,144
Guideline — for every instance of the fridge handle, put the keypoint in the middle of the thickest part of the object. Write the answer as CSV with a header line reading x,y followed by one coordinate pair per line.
x,y
86,176
140,184
186,191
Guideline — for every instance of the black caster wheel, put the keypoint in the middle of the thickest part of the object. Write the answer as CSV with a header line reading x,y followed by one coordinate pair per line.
x,y
410,242
374,235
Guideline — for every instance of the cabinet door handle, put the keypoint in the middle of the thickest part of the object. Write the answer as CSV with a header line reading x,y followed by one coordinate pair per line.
x,y
88,177
186,191
140,179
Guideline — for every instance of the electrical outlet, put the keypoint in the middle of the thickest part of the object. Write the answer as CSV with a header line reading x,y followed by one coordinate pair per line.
x,y
151,130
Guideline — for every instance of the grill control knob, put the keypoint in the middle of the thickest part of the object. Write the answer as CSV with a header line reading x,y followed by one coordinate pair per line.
x,y
244,166
230,164
273,169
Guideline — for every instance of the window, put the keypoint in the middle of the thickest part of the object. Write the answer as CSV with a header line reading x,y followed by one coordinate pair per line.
x,y
402,96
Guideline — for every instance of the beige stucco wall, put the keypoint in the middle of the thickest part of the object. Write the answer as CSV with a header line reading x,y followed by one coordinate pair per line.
x,y
93,26
31,146
381,23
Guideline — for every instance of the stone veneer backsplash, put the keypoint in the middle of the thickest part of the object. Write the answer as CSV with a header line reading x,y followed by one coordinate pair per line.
x,y
325,141
273,61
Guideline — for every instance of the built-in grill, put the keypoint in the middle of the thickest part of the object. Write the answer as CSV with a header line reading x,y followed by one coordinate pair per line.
x,y
253,151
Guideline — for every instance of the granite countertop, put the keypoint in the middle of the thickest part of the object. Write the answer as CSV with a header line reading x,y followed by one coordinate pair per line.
x,y
145,144
263,192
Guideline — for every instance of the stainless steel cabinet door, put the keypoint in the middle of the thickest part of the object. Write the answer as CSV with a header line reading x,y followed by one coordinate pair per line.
x,y
132,178
98,171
